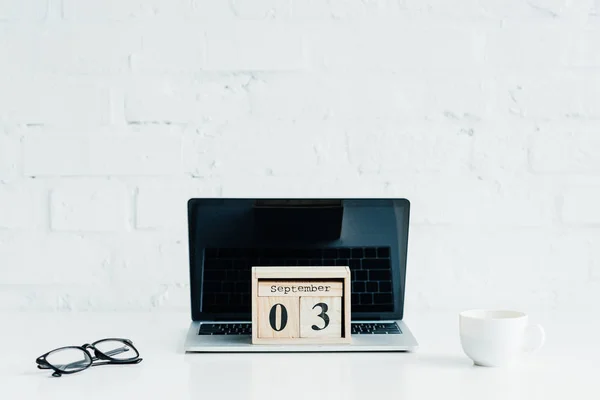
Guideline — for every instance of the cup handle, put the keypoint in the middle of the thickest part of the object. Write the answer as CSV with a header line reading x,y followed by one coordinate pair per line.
x,y
537,331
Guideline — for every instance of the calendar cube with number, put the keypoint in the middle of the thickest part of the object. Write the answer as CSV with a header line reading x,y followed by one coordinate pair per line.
x,y
300,305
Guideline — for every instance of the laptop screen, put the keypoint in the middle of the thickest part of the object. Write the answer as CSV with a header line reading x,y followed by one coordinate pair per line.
x,y
230,236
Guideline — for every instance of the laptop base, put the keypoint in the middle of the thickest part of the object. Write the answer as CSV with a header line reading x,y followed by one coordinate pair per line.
x,y
243,343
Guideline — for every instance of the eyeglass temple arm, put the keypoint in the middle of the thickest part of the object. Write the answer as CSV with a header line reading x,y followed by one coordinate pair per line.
x,y
81,363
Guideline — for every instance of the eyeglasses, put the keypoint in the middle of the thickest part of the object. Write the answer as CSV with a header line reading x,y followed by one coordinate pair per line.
x,y
71,359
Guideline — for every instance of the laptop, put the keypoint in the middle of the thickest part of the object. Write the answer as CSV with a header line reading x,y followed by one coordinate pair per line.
x,y
227,237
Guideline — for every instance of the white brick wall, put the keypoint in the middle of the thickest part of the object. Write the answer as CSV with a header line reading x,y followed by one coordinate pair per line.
x,y
484,113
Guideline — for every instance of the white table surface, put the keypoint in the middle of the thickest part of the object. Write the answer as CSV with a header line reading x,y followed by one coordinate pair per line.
x,y
566,368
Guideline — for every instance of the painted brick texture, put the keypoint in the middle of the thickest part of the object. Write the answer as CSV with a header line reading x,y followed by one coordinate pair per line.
x,y
484,113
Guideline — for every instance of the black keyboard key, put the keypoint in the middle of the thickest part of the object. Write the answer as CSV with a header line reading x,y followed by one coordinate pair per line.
x,y
385,287
366,298
383,252
222,299
370,252
234,275
209,328
329,262
212,286
358,287
382,298
208,299
228,253
343,253
315,253
246,299
354,299
361,275
268,253
354,264
344,262
215,275
241,265
357,253
376,264
379,275
330,253
372,287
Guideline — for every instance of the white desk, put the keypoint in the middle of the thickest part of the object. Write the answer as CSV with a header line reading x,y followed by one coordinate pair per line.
x,y
566,368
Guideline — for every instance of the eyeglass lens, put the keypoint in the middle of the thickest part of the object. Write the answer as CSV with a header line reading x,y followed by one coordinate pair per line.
x,y
69,359
116,349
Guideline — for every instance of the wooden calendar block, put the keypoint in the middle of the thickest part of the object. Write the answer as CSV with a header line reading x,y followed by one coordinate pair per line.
x,y
321,317
279,317
296,305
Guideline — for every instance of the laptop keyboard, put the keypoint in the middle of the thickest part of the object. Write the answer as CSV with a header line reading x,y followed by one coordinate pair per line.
x,y
225,329
226,286
385,328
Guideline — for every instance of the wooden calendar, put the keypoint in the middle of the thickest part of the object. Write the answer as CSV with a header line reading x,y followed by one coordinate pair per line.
x,y
300,305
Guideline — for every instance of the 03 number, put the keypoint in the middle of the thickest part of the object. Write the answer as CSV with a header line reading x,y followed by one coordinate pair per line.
x,y
284,317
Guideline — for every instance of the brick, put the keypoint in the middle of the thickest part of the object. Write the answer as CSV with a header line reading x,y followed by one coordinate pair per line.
x,y
22,206
25,10
10,160
391,47
164,259
517,268
360,95
52,100
403,148
566,148
168,48
279,148
211,10
587,43
485,202
594,245
163,205
50,154
528,95
161,102
36,258
500,148
446,199
255,46
123,10
580,205
590,96
95,206
261,9
187,100
511,48
145,151
343,9
69,48
466,8
536,11
138,151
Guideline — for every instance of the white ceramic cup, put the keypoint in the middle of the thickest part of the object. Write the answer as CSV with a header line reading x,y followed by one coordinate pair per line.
x,y
494,338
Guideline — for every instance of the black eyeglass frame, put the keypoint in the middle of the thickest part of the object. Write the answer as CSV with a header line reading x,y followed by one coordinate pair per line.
x,y
103,358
